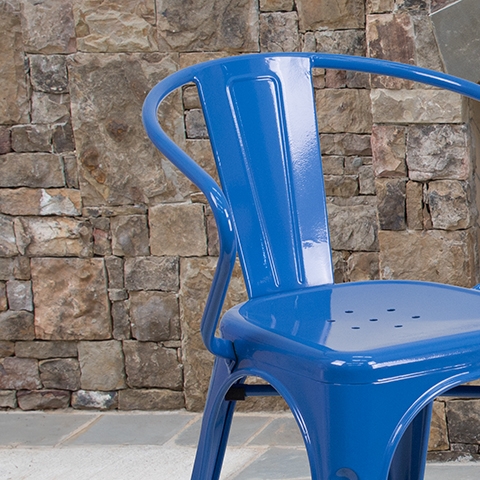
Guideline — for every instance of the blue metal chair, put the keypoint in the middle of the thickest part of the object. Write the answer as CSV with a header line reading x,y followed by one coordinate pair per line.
x,y
359,364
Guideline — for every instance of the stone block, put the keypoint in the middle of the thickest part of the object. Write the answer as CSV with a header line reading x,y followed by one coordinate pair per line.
x,y
201,151
149,365
43,350
21,268
212,236
8,399
70,170
129,235
88,399
212,26
48,73
56,237
195,124
118,164
346,79
16,325
115,271
389,150
35,170
7,265
426,46
177,230
276,5
380,6
102,27
339,266
341,185
43,399
48,27
192,58
150,399
345,144
61,373
462,418
190,98
3,297
391,37
32,138
154,316
121,321
5,140
52,201
332,165
451,204
438,439
19,294
62,138
416,106
343,110
414,205
7,349
391,203
331,14
117,294
101,236
279,32
363,266
8,247
437,152
101,364
346,42
152,273
50,108
308,44
195,279
19,373
431,255
353,224
14,103
366,180
79,310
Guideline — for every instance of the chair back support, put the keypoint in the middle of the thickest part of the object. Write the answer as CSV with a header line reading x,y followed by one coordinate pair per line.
x,y
261,120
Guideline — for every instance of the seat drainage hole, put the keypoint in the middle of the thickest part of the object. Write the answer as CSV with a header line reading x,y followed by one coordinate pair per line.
x,y
348,311
416,316
355,328
398,326
390,309
373,319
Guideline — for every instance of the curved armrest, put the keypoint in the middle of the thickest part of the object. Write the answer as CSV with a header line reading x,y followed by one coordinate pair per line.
x,y
396,69
217,201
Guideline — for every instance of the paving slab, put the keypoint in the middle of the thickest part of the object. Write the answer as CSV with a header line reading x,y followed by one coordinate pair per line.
x,y
158,445
135,429
39,429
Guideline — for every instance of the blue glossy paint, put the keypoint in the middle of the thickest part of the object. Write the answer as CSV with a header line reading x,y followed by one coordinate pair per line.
x,y
359,364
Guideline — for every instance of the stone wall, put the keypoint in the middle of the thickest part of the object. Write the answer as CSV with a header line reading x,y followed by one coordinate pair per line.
x,y
107,252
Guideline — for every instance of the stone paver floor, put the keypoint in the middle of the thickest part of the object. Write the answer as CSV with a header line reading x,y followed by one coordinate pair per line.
x,y
161,445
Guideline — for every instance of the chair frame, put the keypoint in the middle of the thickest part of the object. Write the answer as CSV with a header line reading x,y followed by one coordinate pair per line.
x,y
404,451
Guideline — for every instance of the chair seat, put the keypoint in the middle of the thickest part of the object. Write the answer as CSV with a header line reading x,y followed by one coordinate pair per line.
x,y
374,325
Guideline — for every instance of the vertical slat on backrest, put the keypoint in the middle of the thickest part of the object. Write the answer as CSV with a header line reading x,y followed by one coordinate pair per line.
x,y
261,119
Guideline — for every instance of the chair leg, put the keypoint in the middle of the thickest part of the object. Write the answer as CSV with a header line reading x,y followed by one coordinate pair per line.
x,y
216,422
410,456
349,430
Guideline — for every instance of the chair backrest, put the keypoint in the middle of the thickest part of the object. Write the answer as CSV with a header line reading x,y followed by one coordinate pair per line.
x,y
261,119
260,114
